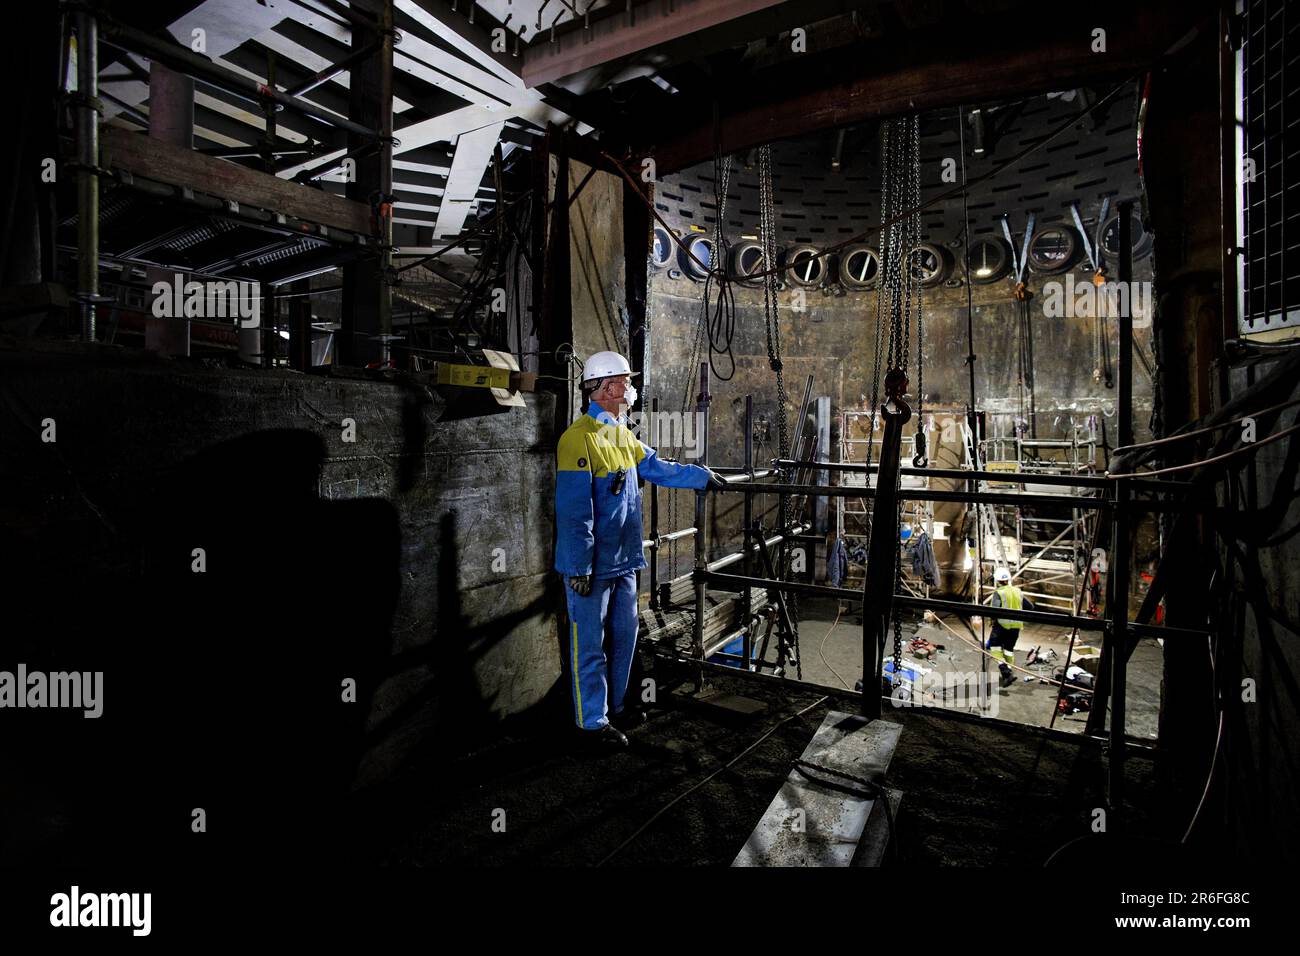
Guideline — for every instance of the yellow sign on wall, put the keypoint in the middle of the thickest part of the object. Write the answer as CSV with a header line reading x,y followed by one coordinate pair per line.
x,y
473,376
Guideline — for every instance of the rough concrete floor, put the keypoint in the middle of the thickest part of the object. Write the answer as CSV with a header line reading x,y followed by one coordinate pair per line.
x,y
975,793
832,655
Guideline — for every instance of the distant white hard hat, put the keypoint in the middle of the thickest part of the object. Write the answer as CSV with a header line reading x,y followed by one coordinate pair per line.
x,y
605,364
1002,576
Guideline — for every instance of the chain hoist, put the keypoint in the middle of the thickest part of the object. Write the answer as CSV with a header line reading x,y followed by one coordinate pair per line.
x,y
771,314
898,298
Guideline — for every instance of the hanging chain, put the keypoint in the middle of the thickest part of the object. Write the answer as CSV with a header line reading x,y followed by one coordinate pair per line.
x,y
881,289
767,233
914,287
898,295
771,314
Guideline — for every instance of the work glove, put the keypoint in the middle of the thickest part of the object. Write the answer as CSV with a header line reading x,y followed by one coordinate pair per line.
x,y
716,481
581,583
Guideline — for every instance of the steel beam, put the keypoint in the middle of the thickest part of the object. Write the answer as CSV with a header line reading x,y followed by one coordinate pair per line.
x,y
87,126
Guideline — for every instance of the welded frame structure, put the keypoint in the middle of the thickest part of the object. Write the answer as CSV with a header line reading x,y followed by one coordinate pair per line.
x,y
1121,501
189,176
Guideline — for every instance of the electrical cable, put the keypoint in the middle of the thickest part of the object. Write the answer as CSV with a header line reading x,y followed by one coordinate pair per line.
x,y
1208,429
1217,459
720,321
839,609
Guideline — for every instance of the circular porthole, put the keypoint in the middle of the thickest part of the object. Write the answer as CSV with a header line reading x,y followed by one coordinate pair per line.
x,y
746,262
1053,249
988,260
930,264
700,248
1139,237
661,251
859,267
804,266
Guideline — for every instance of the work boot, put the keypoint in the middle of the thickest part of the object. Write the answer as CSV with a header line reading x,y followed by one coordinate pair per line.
x,y
1006,678
628,718
604,740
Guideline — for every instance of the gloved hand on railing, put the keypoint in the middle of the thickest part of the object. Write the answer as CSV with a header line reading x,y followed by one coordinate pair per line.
x,y
716,481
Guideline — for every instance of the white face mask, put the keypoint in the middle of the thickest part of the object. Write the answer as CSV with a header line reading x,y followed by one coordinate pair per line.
x,y
629,396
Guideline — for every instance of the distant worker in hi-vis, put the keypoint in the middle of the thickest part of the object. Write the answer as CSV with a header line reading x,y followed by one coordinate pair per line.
x,y
598,550
1005,633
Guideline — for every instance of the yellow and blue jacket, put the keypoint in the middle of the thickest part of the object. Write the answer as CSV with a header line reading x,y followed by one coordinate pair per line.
x,y
597,515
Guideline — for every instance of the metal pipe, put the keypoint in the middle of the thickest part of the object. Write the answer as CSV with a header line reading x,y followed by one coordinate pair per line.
x,y
333,70
1124,396
731,473
329,165
1118,653
660,540
797,451
955,474
656,540
747,639
126,109
87,111
923,494
386,197
729,560
701,542
739,556
959,608
201,68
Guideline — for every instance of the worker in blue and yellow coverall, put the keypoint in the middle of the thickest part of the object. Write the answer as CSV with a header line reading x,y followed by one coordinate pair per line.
x,y
598,550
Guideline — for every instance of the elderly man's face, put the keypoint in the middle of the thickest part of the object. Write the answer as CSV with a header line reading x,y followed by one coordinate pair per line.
x,y
615,387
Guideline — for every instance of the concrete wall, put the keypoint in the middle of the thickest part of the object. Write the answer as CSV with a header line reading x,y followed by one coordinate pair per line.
x,y
415,560
1261,565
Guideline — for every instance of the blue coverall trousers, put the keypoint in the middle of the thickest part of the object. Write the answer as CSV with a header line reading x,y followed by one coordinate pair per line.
x,y
599,677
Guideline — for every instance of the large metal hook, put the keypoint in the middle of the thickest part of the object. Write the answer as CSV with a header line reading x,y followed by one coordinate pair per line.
x,y
895,390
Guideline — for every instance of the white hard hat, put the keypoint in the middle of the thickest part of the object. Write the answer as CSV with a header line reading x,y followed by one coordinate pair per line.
x,y
1002,576
605,364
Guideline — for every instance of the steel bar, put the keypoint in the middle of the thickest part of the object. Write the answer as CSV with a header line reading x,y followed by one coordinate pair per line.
x,y
747,610
958,474
924,494
87,126
882,557
334,69
656,540
785,622
201,68
701,539
735,582
1118,578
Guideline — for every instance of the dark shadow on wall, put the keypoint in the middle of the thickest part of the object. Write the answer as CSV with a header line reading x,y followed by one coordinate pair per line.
x,y
223,688
453,701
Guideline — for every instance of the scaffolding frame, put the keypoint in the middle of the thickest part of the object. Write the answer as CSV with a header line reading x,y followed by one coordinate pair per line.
x,y
1121,501
1022,466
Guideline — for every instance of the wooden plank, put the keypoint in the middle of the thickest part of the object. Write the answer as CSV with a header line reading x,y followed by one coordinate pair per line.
x,y
137,154
816,823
